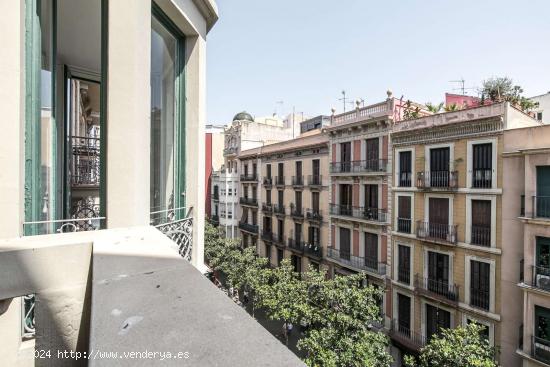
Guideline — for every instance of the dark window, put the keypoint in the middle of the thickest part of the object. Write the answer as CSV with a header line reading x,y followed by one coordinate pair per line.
x,y
345,243
296,263
280,228
480,276
345,199
297,232
345,156
438,225
372,154
298,169
298,200
314,234
268,196
405,169
315,201
254,169
439,167
246,169
254,192
316,167
438,272
436,319
482,174
539,116
542,205
371,250
267,224
280,256
280,169
481,222
371,196
404,314
404,264
542,323
280,197
404,214
268,169
254,218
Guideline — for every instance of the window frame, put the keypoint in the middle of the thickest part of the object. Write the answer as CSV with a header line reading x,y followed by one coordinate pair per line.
x,y
398,167
470,162
411,261
468,234
396,214
492,282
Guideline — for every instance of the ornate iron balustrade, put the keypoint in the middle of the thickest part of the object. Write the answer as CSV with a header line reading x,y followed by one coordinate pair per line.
x,y
279,209
85,164
437,180
298,181
364,166
294,244
404,275
249,177
296,212
404,225
405,335
481,236
268,181
437,232
405,179
480,298
267,208
437,287
251,228
248,201
541,277
363,263
482,178
359,212
540,349
313,249
315,181
177,225
314,215
230,150
28,326
541,206
280,181
268,236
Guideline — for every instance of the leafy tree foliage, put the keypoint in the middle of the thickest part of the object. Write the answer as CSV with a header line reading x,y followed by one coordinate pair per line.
x,y
434,108
503,89
460,347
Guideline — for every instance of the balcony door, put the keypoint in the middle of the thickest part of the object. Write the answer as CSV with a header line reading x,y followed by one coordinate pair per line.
x,y
438,272
345,156
404,212
372,154
371,251
542,204
345,243
481,222
314,234
404,314
405,169
345,199
436,319
438,217
482,166
439,167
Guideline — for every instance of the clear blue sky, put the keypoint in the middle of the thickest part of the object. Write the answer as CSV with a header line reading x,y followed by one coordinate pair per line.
x,y
305,52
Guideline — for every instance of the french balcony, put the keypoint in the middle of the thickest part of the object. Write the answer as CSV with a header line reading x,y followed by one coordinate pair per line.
x,y
405,179
437,180
435,232
250,177
279,209
268,236
359,212
541,207
296,212
367,264
482,178
315,181
279,240
249,201
540,349
250,228
267,208
402,333
404,225
365,166
295,244
313,250
438,289
268,182
314,215
404,275
480,298
297,181
280,181
541,277
481,236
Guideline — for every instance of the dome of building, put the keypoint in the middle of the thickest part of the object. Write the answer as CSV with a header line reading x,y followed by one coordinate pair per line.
x,y
243,116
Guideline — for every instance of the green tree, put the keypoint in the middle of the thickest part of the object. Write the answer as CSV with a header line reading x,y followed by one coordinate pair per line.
x,y
459,347
410,111
341,316
502,89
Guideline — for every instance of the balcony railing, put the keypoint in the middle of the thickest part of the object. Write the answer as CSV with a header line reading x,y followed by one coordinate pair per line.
x,y
267,208
541,349
364,166
437,287
295,244
404,225
313,249
481,236
216,196
522,206
405,335
314,215
249,177
178,230
267,236
437,180
230,150
480,298
279,180
249,201
405,179
315,180
251,228
268,181
357,262
296,212
541,206
404,275
437,232
279,209
85,161
298,181
541,277
482,178
359,212
215,218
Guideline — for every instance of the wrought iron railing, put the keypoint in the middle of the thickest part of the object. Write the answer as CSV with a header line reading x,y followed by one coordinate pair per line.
x,y
541,206
249,177
364,166
404,275
215,218
279,180
405,179
251,228
267,236
267,208
403,332
541,349
314,215
295,244
521,270
437,179
437,232
482,178
176,224
315,180
279,209
437,287
28,326
85,164
481,236
541,277
480,298
297,181
404,225
249,201
296,211
268,181
359,212
371,265
313,249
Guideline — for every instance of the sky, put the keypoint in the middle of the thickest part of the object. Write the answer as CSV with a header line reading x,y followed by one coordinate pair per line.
x,y
267,56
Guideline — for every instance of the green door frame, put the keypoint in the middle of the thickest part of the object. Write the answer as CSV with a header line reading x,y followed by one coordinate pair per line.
x,y
179,153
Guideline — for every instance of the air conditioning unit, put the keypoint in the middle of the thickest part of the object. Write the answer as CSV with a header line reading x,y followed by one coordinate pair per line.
x,y
543,281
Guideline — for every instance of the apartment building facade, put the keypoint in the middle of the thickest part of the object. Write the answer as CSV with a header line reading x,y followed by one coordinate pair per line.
x,y
449,255
526,212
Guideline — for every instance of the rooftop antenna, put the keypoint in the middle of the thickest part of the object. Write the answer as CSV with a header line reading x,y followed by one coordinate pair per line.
x,y
344,100
461,87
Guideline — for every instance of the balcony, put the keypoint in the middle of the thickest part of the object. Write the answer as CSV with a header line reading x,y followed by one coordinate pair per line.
x,y
85,162
297,181
357,262
435,232
440,290
359,212
250,228
216,196
230,151
280,181
296,212
481,236
541,207
482,178
268,182
540,349
279,240
404,225
315,181
279,209
314,215
313,250
541,277
268,236
249,201
296,245
405,179
405,336
404,275
250,177
480,298
378,166
215,219
437,180
267,208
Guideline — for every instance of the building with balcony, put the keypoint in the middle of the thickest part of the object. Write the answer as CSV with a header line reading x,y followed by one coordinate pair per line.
x,y
102,189
526,214
451,263
292,193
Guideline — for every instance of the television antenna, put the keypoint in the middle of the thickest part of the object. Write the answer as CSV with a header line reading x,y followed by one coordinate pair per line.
x,y
462,88
345,100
